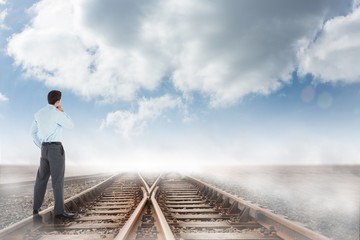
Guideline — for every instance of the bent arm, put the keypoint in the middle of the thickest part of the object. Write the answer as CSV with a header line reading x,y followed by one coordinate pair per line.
x,y
65,121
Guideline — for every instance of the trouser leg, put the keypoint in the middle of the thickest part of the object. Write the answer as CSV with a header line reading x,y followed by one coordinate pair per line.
x,y
42,178
57,169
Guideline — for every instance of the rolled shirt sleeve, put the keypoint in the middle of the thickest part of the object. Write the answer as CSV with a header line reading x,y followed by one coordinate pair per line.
x,y
65,121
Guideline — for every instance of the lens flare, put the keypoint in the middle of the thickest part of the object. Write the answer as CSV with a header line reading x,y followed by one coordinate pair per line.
x,y
308,94
325,100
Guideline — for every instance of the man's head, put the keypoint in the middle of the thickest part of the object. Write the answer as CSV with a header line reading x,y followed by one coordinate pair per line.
x,y
53,97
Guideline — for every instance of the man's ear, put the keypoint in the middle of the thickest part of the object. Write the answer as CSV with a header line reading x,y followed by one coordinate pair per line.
x,y
57,103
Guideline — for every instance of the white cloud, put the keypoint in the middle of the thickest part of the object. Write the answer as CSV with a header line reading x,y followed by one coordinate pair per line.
x,y
2,2
59,49
334,55
130,124
3,98
111,50
3,15
356,3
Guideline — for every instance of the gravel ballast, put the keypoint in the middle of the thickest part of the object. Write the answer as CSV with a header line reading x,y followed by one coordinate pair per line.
x,y
322,198
16,204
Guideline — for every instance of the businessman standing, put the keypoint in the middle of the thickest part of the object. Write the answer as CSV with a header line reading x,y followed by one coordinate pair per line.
x,y
46,131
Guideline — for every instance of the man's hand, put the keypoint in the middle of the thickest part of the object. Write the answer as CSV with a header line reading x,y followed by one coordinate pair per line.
x,y
60,108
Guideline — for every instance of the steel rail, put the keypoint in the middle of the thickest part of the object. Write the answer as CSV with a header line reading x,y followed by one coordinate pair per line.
x,y
285,229
146,186
154,185
16,186
130,224
28,223
165,228
149,189
128,228
24,224
89,192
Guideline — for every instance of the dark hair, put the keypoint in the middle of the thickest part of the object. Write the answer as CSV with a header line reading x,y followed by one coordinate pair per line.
x,y
54,96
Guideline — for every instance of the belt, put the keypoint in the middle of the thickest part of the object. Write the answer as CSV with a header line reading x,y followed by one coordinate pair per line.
x,y
51,143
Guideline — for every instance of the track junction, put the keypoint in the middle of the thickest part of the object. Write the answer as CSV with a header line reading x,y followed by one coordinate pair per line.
x,y
169,206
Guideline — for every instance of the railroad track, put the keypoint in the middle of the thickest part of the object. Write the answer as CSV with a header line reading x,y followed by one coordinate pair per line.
x,y
19,186
173,207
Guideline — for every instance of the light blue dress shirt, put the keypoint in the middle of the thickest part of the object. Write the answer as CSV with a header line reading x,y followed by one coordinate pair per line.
x,y
48,125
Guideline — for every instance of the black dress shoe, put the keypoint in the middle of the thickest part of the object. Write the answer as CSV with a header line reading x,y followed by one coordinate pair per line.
x,y
37,219
36,211
65,215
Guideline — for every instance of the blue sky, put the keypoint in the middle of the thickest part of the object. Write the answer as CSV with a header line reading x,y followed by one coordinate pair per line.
x,y
169,82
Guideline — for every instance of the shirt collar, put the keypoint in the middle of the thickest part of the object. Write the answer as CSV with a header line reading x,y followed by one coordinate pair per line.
x,y
51,106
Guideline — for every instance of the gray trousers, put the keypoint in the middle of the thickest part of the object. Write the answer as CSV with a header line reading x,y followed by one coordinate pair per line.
x,y
52,163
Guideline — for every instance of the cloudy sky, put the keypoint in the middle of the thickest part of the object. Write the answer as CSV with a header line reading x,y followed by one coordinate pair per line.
x,y
175,81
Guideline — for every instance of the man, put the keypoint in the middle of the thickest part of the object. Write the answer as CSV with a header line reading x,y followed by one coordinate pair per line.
x,y
46,131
